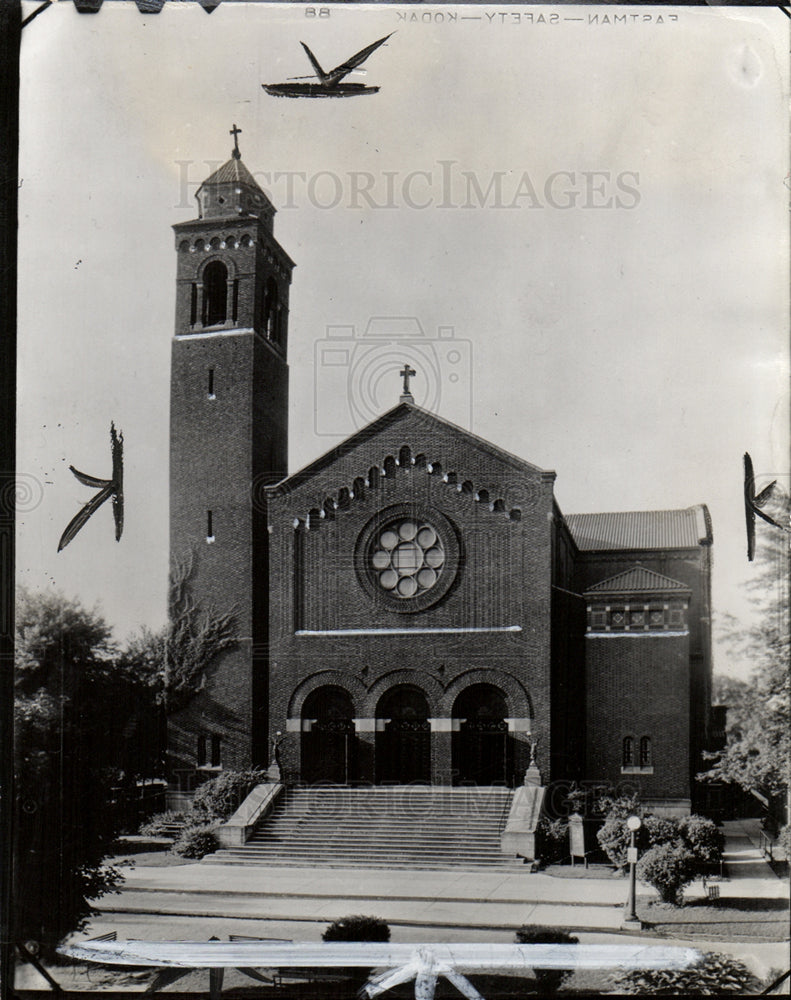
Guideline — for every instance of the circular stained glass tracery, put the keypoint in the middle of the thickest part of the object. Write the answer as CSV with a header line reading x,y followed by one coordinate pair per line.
x,y
407,557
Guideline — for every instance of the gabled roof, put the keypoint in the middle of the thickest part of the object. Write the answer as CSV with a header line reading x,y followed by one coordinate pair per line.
x,y
234,171
641,529
402,412
638,580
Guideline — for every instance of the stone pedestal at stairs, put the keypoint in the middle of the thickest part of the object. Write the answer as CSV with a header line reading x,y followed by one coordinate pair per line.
x,y
519,835
236,832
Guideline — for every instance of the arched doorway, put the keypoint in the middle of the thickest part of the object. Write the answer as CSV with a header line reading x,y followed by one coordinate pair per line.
x,y
328,736
481,745
403,743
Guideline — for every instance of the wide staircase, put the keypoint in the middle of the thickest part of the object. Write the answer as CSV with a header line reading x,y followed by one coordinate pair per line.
x,y
408,826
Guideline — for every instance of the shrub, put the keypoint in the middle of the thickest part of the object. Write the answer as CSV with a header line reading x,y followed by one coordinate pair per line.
x,y
622,807
614,837
703,838
160,823
220,797
552,839
357,928
577,800
548,980
196,841
660,830
714,974
784,840
668,868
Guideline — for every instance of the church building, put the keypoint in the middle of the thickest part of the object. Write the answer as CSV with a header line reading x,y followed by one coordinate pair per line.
x,y
413,606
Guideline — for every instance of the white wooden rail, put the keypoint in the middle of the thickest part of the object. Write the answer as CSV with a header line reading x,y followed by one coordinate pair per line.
x,y
401,962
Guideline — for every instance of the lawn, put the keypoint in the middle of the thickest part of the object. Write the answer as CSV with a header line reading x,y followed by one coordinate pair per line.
x,y
729,919
145,852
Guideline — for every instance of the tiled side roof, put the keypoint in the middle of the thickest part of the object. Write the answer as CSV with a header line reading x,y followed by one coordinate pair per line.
x,y
638,580
641,529
232,171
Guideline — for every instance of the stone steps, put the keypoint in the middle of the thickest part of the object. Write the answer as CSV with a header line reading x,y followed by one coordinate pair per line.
x,y
380,827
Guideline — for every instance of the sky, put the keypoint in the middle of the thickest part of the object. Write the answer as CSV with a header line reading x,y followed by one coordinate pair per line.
x,y
575,228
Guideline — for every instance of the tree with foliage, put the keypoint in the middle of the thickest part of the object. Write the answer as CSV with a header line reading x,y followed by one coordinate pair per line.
x,y
66,817
174,660
756,755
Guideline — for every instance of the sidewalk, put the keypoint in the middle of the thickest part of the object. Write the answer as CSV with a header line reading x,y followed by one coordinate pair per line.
x,y
748,874
477,899
417,898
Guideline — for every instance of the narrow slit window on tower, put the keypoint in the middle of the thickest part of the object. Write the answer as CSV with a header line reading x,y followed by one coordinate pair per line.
x,y
628,751
235,305
193,304
216,758
201,753
211,384
645,751
209,527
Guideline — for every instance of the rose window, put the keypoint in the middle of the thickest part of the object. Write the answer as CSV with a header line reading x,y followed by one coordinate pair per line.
x,y
407,557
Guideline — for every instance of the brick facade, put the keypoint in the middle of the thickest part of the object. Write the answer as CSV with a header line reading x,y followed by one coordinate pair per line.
x,y
354,683
489,627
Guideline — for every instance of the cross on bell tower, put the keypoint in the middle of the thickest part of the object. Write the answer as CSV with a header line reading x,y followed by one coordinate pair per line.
x,y
406,373
235,132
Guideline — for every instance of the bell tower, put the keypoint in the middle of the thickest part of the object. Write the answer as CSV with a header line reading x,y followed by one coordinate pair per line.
x,y
228,439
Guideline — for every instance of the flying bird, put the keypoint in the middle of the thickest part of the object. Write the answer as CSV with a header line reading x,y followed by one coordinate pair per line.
x,y
330,84
753,504
107,488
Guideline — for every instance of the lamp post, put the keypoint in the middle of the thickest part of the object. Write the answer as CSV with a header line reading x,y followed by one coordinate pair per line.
x,y
630,919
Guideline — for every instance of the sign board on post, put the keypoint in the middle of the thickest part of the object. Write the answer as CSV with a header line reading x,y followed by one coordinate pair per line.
x,y
631,855
576,836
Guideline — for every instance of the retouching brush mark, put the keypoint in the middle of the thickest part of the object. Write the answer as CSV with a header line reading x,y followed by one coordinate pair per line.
x,y
753,504
113,487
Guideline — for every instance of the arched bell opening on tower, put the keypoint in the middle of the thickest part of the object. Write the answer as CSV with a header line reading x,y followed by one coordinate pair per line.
x,y
215,294
273,319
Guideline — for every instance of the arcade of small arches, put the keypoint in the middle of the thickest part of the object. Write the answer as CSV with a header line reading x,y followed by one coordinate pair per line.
x,y
230,242
402,732
387,470
233,242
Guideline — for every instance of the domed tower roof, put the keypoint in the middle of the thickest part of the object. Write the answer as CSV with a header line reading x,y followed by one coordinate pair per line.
x,y
232,191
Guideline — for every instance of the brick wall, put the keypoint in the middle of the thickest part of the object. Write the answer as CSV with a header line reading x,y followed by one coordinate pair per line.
x,y
639,686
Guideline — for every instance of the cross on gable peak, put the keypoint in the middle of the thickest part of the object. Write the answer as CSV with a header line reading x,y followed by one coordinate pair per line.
x,y
406,373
